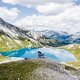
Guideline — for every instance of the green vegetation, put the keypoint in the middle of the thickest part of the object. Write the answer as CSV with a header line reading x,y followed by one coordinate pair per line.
x,y
75,49
35,69
3,58
7,43
52,42
21,38
76,53
21,70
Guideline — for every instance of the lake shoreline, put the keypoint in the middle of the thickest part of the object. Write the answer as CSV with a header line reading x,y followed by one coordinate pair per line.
x,y
11,59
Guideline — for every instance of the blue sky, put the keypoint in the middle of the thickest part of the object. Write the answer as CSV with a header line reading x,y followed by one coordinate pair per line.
x,y
24,11
39,14
78,2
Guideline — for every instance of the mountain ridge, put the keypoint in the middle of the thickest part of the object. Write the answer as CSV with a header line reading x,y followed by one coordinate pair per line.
x,y
12,36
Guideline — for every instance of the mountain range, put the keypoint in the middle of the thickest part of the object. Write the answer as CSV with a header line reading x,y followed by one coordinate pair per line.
x,y
55,38
12,37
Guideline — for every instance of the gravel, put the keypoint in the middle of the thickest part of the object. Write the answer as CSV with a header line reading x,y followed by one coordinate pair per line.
x,y
53,71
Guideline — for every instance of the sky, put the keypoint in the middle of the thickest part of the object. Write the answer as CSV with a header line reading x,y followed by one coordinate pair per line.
x,y
59,15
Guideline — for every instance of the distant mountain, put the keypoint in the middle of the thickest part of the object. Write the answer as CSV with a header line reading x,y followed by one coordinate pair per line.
x,y
55,39
12,37
76,38
72,47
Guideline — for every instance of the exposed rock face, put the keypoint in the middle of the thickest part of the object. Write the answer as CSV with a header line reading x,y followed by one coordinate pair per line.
x,y
51,74
39,38
55,71
55,38
11,30
12,37
38,69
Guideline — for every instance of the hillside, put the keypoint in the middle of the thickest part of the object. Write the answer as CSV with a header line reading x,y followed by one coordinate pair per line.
x,y
55,38
37,69
12,37
75,49
6,43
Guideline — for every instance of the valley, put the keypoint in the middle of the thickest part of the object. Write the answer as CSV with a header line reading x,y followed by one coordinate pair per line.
x,y
19,54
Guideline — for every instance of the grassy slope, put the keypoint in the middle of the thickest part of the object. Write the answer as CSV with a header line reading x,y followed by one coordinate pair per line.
x,y
7,43
52,42
49,42
75,49
76,53
18,70
2,58
23,70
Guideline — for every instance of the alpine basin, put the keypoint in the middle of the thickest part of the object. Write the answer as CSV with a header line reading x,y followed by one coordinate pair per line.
x,y
59,55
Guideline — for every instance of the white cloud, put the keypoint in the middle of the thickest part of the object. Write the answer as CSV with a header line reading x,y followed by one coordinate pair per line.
x,y
69,20
35,2
9,14
55,14
53,8
44,6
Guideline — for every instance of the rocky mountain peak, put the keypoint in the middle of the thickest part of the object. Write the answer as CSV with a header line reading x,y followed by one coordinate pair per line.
x,y
1,21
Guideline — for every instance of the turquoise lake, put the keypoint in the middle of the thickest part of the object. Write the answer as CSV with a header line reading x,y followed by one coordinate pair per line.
x,y
59,55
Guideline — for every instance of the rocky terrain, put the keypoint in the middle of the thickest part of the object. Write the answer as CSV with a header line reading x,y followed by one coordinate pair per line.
x,y
12,37
56,71
38,69
55,38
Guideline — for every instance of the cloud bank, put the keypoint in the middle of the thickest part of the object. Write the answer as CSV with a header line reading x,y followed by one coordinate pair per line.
x,y
53,14
9,14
